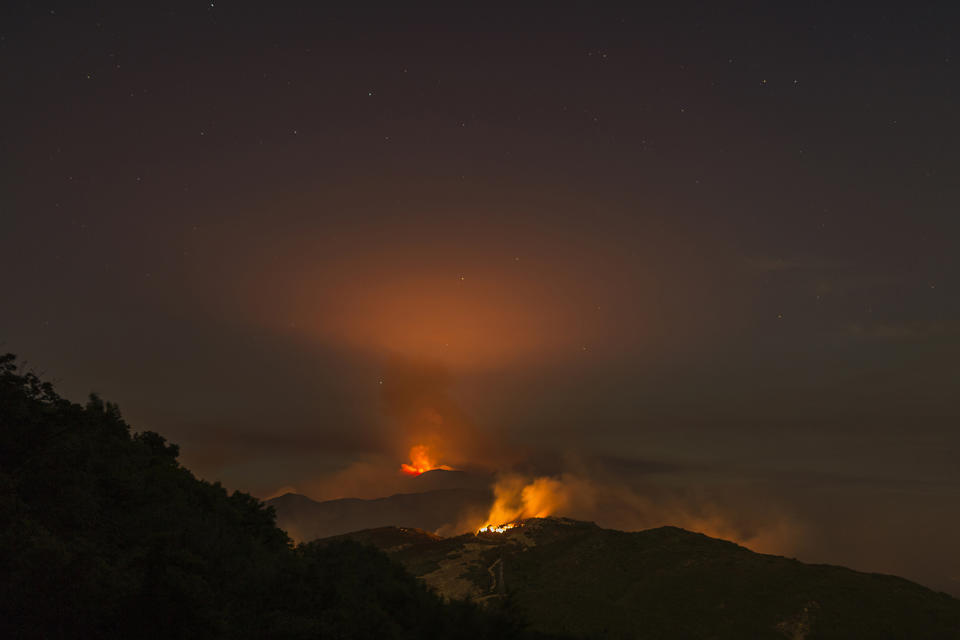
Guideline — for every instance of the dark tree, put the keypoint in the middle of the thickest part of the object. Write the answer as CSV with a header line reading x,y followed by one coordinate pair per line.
x,y
104,534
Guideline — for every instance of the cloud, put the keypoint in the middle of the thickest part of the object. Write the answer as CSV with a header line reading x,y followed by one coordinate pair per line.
x,y
823,276
766,264
899,332
841,284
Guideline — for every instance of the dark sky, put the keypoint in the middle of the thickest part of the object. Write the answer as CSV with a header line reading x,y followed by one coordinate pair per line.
x,y
703,261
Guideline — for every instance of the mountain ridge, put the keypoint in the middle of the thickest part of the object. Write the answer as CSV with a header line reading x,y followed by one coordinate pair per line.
x,y
104,534
306,519
575,578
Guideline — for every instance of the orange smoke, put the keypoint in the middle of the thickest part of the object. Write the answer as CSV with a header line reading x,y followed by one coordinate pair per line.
x,y
421,461
516,498
617,506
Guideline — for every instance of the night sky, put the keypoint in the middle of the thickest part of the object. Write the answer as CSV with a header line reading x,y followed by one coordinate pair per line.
x,y
700,263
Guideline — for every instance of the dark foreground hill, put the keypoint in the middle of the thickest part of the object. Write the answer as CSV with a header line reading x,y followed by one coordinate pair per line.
x,y
573,577
104,535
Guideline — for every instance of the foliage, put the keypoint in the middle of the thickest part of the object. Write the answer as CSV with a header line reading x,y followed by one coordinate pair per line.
x,y
104,534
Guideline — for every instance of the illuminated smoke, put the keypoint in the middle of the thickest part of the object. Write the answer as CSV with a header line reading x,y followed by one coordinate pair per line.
x,y
421,462
516,498
615,505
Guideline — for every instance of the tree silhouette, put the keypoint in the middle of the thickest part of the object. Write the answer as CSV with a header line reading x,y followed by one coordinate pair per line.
x,y
104,534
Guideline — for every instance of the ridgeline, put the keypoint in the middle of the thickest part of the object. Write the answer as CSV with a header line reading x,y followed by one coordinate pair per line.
x,y
103,534
577,579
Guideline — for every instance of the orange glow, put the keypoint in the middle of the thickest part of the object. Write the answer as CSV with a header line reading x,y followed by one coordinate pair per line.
x,y
501,528
421,462
516,498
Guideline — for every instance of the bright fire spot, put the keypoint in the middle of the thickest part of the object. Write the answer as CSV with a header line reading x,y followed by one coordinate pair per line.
x,y
500,528
421,462
517,498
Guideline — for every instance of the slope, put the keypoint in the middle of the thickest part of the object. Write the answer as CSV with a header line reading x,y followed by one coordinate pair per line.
x,y
576,578
103,534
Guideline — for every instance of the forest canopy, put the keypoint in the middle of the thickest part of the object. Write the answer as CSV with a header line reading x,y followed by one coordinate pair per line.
x,y
104,534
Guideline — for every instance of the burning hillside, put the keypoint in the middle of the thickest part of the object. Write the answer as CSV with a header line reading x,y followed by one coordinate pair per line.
x,y
574,577
421,461
500,528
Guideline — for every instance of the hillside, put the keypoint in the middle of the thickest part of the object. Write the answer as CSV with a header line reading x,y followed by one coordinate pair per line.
x,y
576,578
103,534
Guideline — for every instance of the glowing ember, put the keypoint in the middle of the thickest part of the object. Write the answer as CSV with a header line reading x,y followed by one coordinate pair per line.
x,y
421,462
500,528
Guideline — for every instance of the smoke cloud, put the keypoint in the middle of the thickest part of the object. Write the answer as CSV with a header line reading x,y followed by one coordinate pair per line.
x,y
615,504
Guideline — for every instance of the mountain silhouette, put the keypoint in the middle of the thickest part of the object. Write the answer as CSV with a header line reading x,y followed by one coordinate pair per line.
x,y
103,534
571,577
306,519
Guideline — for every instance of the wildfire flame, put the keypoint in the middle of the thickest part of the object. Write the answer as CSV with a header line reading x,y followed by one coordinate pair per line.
x,y
421,461
500,528
517,497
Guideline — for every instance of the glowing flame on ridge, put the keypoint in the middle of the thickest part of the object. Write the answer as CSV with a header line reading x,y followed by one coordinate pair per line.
x,y
517,497
500,528
421,461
